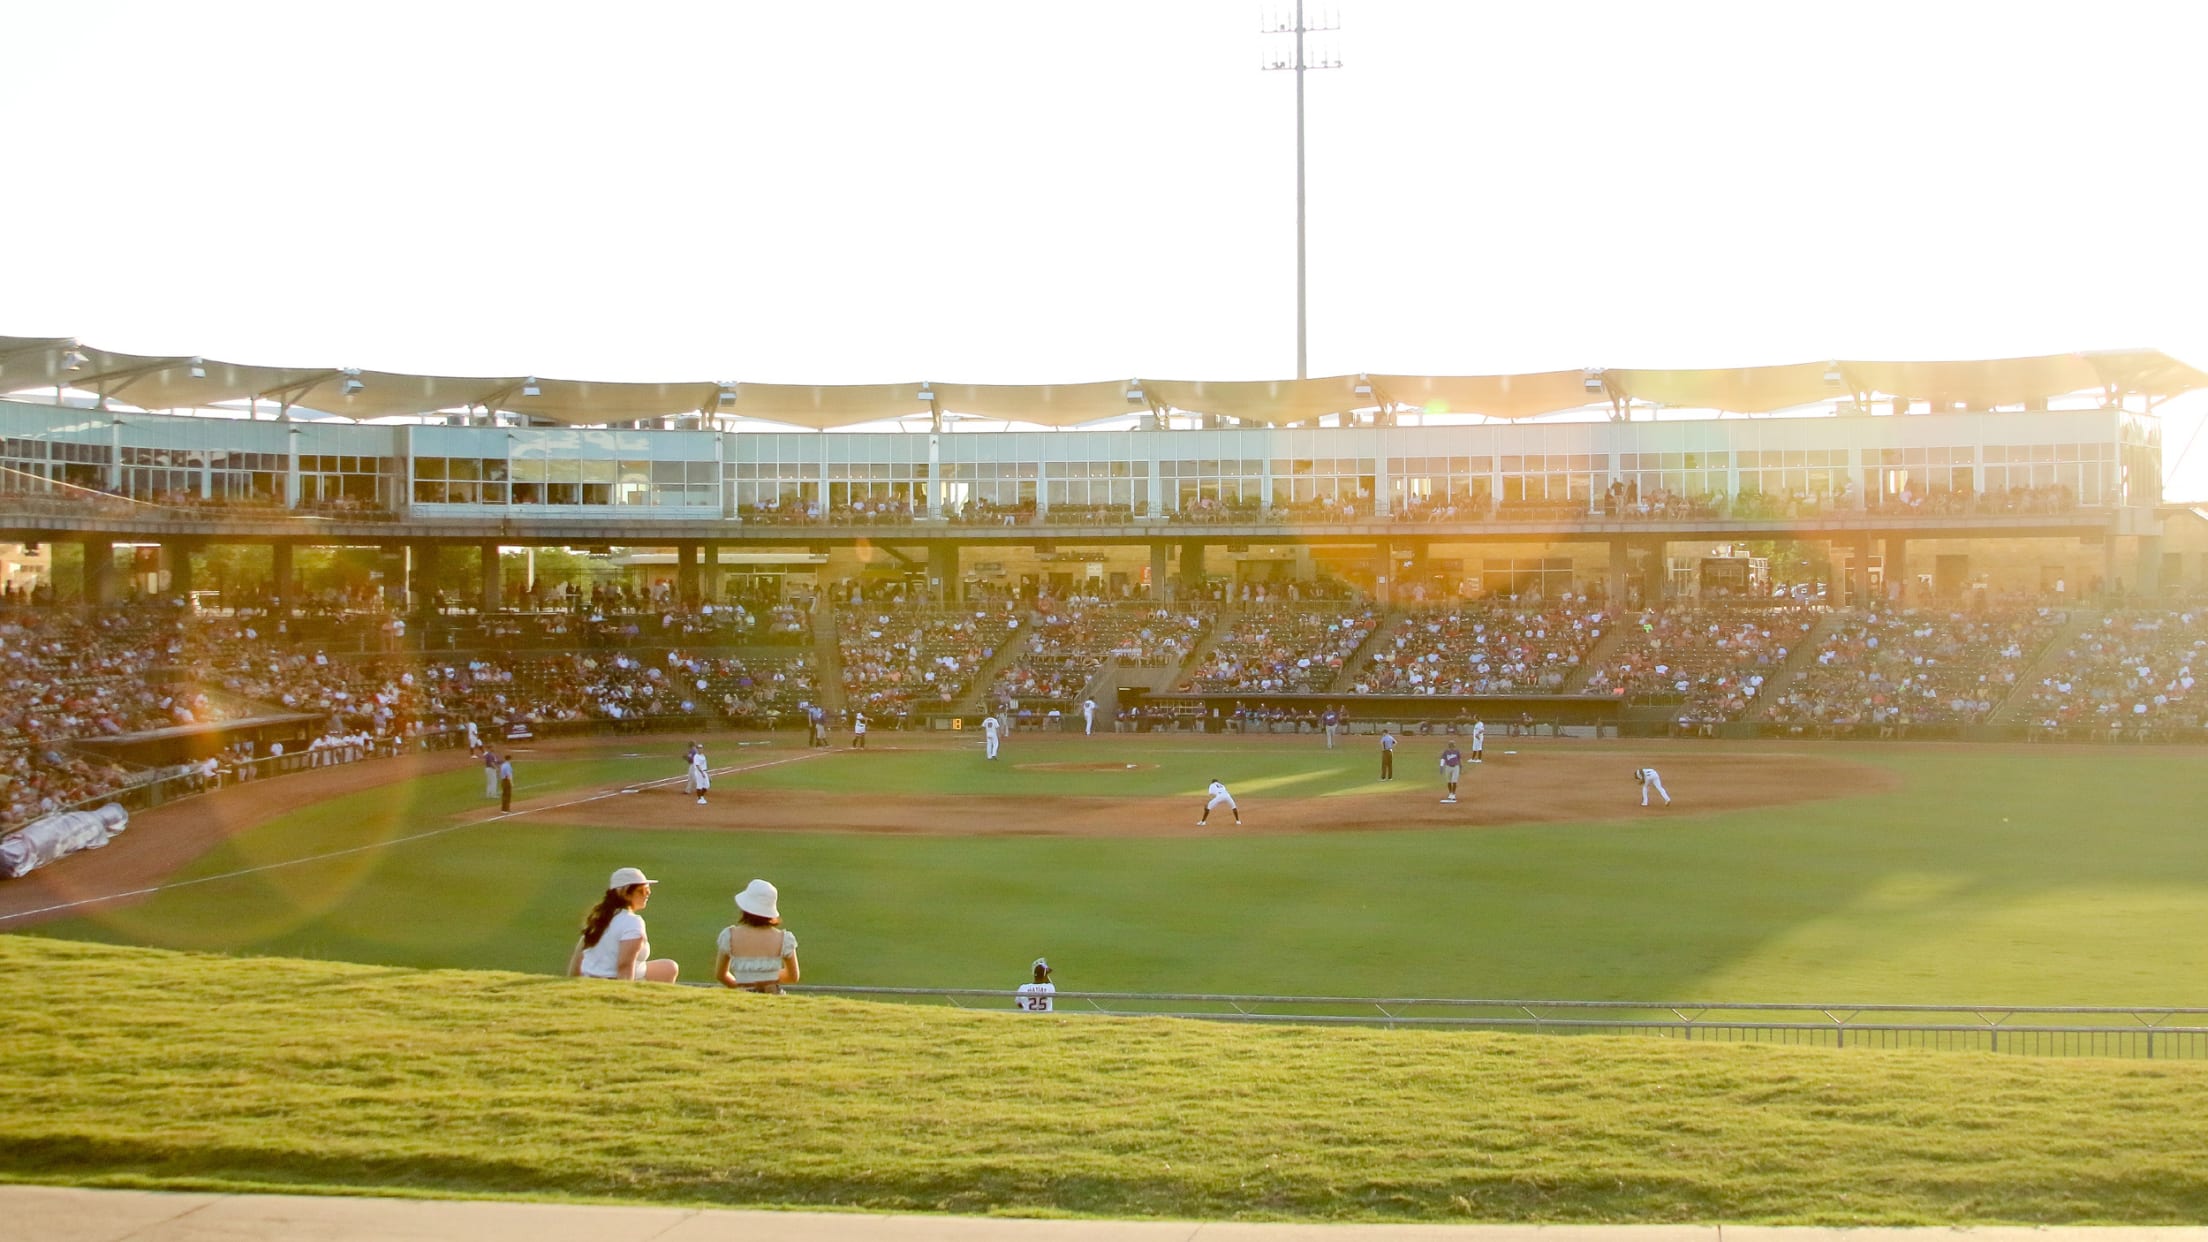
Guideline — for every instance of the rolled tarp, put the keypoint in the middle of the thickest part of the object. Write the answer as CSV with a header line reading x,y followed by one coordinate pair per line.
x,y
57,836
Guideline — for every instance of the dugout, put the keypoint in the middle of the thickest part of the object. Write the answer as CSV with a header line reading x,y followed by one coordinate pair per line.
x,y
1506,715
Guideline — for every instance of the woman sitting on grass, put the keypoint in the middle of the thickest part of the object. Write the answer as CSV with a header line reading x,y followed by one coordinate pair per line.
x,y
613,944
756,955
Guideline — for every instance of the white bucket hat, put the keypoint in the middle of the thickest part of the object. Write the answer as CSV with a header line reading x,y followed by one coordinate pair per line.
x,y
759,898
627,876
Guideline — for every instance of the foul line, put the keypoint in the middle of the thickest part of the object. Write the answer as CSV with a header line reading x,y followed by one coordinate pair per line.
x,y
377,845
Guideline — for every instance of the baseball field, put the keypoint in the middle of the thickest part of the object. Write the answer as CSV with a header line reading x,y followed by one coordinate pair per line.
x,y
1895,873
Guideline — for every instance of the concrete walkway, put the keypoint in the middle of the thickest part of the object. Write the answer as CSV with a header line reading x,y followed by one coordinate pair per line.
x,y
55,1214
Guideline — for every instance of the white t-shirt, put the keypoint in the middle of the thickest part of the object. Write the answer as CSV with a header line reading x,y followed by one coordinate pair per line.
x,y
989,724
1035,997
603,958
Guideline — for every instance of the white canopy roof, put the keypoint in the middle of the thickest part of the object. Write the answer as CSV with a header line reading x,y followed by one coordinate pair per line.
x,y
155,382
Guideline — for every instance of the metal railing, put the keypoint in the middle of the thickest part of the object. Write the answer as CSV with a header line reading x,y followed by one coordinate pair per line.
x,y
2145,1032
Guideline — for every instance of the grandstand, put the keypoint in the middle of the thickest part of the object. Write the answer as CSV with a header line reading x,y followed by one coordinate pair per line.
x,y
1586,548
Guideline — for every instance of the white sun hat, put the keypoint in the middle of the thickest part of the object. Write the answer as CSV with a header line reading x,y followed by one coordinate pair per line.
x,y
759,898
627,876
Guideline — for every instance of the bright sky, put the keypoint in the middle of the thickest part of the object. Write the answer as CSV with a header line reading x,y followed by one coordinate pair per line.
x,y
837,192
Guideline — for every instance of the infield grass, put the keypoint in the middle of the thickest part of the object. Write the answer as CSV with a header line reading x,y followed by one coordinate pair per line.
x,y
143,1068
1989,876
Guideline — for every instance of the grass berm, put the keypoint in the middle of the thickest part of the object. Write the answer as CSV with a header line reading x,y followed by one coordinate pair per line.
x,y
150,1068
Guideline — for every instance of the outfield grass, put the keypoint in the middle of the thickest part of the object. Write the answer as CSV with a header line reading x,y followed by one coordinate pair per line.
x,y
144,1068
2009,876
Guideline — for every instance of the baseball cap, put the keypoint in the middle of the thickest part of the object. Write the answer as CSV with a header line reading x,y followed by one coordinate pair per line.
x,y
627,876
1042,965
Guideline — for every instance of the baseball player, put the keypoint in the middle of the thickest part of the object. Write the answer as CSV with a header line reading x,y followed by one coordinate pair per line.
x,y
1088,717
1387,755
475,740
1036,997
490,773
506,784
1219,797
1332,720
1479,738
858,730
701,779
1648,779
1452,763
989,730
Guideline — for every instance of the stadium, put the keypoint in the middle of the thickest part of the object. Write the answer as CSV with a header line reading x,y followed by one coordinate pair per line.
x,y
1846,611
725,622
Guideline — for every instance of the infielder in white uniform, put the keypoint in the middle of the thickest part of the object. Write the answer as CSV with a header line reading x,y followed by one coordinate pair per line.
x,y
1088,717
1479,738
1650,780
1219,797
858,730
700,778
475,740
1036,997
989,729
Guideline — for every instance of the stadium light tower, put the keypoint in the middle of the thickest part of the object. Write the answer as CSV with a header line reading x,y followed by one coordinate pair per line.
x,y
1278,28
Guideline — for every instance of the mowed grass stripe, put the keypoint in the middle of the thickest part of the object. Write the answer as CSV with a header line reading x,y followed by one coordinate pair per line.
x,y
1989,876
145,1068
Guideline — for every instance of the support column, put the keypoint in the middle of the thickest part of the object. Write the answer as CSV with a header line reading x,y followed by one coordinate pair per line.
x,y
1160,566
1859,572
393,560
421,573
1383,574
98,583
1192,563
686,571
493,581
1621,565
177,555
279,577
943,573
709,577
2148,577
1656,579
1897,569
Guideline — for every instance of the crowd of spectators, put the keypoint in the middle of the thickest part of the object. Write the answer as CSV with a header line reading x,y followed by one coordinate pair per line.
x,y
1483,648
1891,669
1074,637
2131,674
897,661
1282,649
1710,659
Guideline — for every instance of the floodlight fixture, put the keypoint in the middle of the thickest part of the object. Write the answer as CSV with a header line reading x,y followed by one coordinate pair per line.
x,y
74,360
1833,378
1135,395
199,368
1591,379
926,393
352,384
529,387
727,394
1364,385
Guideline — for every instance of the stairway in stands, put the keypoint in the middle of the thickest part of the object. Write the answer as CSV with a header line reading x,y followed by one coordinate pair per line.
x,y
1799,659
975,699
827,657
2014,708
1604,648
1381,638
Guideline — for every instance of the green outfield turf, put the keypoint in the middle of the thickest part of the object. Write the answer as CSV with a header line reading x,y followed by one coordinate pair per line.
x,y
1990,875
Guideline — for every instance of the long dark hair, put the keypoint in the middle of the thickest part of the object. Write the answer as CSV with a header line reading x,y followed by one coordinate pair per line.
x,y
594,923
